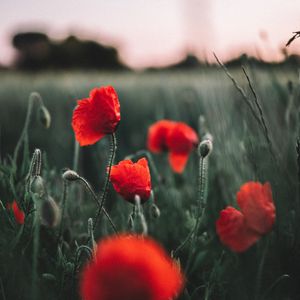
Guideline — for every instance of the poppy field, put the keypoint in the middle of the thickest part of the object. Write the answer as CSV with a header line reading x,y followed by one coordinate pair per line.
x,y
150,186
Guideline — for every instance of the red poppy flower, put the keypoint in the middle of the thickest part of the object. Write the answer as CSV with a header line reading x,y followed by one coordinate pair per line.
x,y
157,136
130,179
130,267
176,137
256,203
181,140
233,231
18,213
241,229
96,116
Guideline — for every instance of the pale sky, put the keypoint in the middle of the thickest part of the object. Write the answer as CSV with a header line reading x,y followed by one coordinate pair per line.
x,y
159,32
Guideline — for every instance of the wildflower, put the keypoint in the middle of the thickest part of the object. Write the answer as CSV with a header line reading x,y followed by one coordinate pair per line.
x,y
130,179
181,140
256,203
177,138
130,267
241,229
233,231
18,213
96,116
157,136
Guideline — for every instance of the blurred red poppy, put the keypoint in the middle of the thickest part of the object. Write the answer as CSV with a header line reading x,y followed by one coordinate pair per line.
x,y
18,213
233,231
256,203
176,137
96,116
130,267
130,179
157,136
241,229
181,140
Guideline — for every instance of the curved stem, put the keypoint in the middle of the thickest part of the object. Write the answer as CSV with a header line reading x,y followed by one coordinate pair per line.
x,y
113,149
24,134
202,187
89,188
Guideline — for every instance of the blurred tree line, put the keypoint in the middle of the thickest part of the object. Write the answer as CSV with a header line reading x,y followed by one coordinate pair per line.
x,y
36,51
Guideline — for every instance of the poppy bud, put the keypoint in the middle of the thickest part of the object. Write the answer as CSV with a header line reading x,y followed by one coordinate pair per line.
x,y
70,175
44,116
205,148
50,213
155,212
37,185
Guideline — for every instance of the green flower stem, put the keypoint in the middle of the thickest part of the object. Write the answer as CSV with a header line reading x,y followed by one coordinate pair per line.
x,y
36,240
89,188
63,208
113,149
76,156
260,268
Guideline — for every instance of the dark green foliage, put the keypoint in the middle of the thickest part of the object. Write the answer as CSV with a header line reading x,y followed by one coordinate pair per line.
x,y
268,270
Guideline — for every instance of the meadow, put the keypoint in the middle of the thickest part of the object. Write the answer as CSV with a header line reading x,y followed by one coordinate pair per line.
x,y
254,139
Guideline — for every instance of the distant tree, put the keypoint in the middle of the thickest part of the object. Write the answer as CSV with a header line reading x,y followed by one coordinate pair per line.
x,y
36,52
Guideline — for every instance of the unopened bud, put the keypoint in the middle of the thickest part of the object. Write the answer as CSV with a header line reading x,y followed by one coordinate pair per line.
x,y
44,116
208,136
70,175
50,213
37,185
155,212
205,148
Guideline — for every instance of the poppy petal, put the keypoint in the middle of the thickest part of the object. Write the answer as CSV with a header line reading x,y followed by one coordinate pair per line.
x,y
178,161
256,203
233,231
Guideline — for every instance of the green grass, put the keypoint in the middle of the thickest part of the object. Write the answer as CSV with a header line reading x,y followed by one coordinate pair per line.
x,y
240,153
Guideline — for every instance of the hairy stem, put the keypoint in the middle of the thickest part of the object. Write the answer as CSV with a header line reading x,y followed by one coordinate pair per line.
x,y
89,188
113,149
63,208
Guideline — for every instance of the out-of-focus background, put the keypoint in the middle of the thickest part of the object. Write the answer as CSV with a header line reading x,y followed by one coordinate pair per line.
x,y
159,57
138,34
